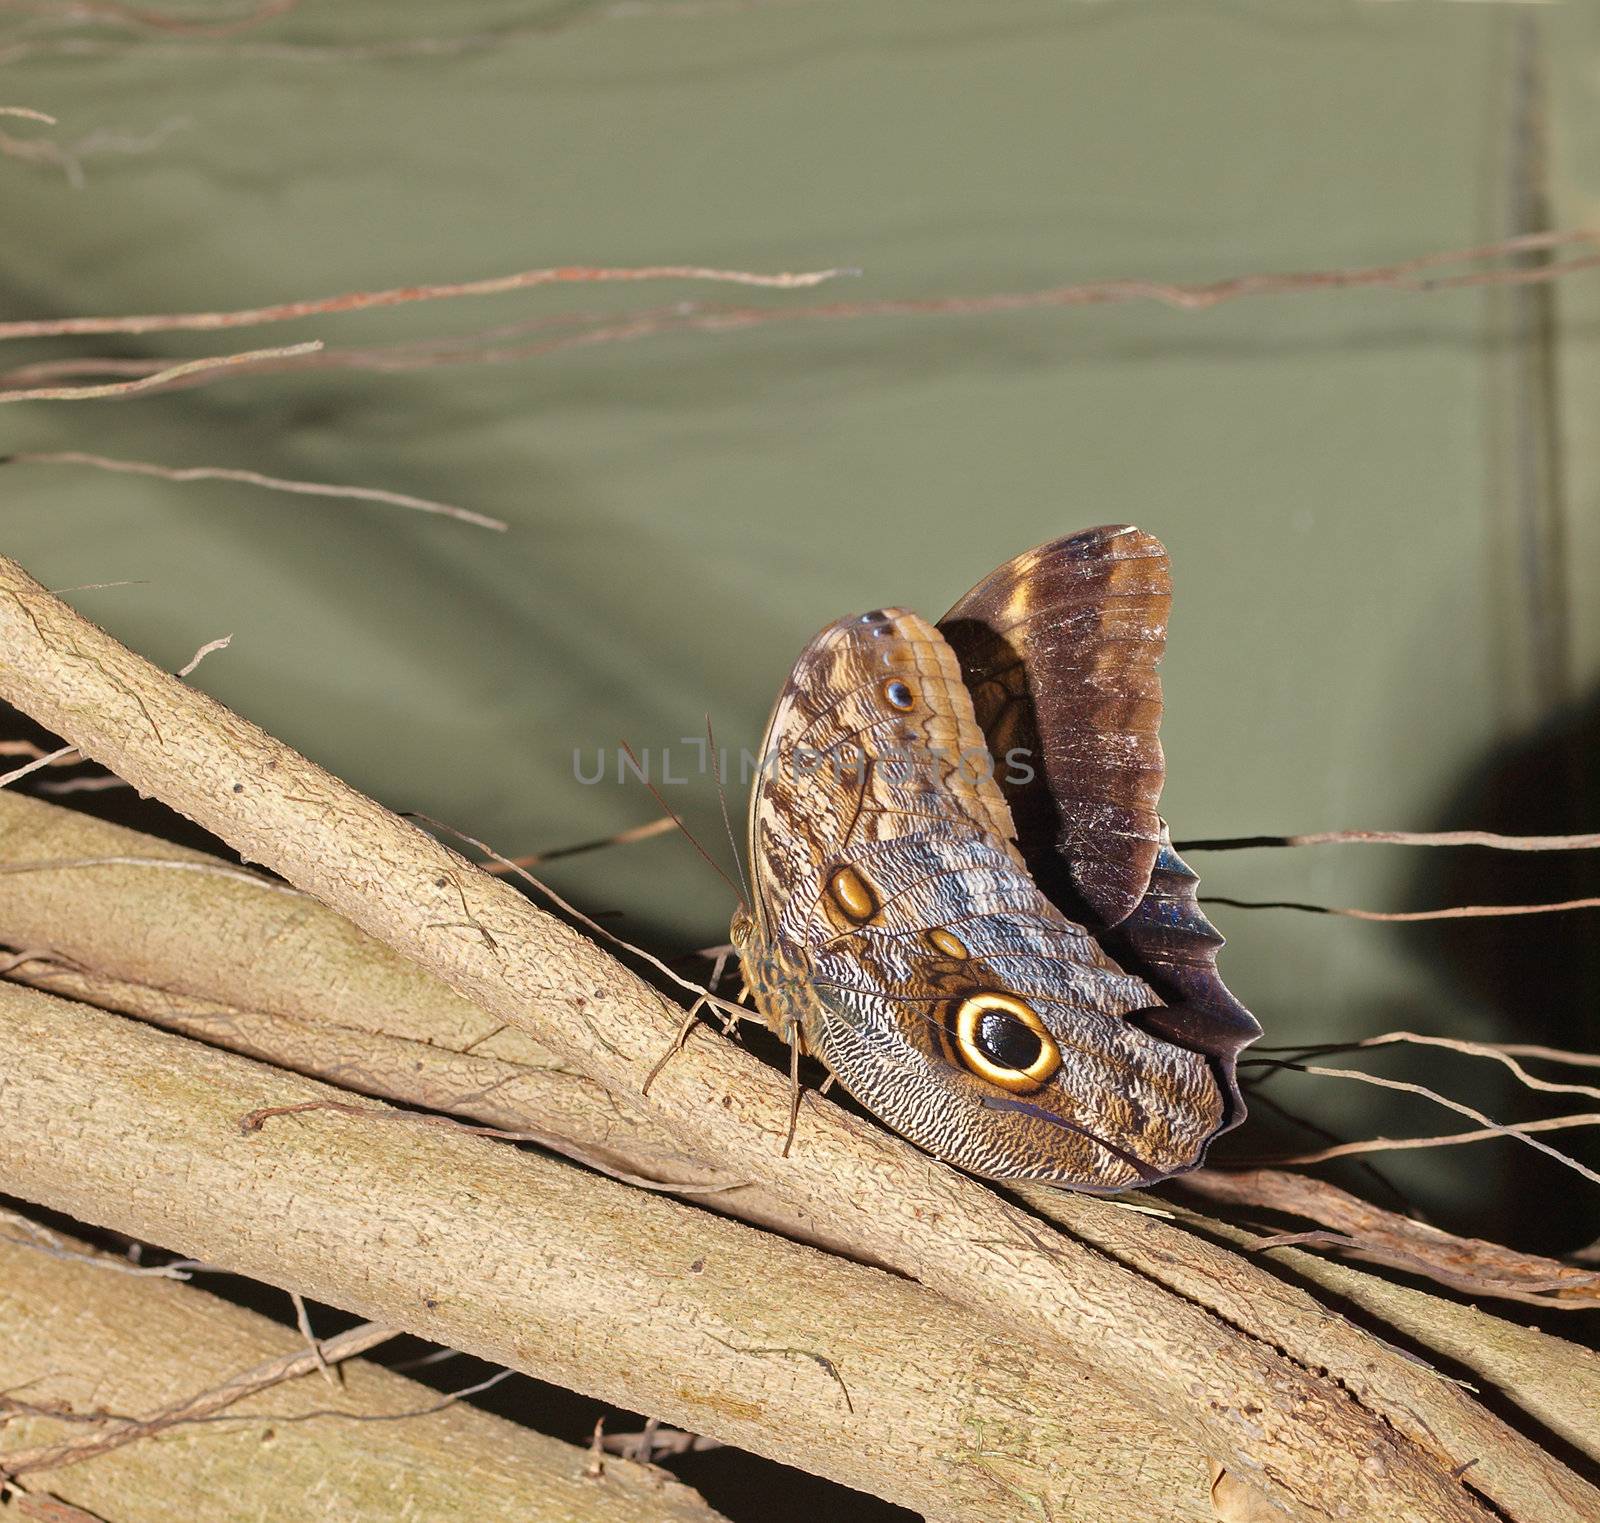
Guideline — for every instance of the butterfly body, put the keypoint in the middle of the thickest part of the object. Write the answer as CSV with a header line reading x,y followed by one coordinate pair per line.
x,y
897,933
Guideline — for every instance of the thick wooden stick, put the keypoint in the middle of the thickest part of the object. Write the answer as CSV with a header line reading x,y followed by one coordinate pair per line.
x,y
711,1325
82,1340
1291,1431
158,915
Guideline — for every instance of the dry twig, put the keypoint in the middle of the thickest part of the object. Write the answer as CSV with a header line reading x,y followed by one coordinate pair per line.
x,y
1406,276
360,301
1450,912
353,999
1365,1231
253,478
212,366
1489,838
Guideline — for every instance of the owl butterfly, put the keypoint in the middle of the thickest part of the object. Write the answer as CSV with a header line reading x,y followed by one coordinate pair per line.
x,y
964,901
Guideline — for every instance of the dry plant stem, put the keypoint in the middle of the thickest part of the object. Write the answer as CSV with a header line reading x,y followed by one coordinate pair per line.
x,y
1490,1127
1504,1053
255,478
1449,912
77,1335
578,1122
1291,1431
527,1262
358,301
205,932
344,1007
1408,275
1415,1398
1549,1379
43,1508
62,755
1491,838
118,1429
213,363
1442,1140
1369,1232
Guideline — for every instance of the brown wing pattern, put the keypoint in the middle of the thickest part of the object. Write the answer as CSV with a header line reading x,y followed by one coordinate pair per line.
x,y
843,769
896,926
1059,648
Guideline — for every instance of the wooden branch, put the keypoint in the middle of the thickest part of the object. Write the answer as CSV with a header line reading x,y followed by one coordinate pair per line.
x,y
1363,1230
124,917
352,1012
1290,1430
1548,1379
80,1341
655,1306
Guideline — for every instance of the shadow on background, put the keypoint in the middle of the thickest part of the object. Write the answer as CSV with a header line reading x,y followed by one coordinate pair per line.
x,y
1537,975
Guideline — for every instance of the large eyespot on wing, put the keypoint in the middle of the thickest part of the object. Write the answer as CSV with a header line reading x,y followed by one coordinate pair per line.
x,y
968,1014
1014,1086
1059,648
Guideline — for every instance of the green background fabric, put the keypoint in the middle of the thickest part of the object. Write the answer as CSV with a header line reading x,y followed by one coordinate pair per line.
x,y
1364,555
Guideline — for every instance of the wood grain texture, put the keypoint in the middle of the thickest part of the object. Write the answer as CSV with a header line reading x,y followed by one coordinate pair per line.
x,y
202,941
85,1340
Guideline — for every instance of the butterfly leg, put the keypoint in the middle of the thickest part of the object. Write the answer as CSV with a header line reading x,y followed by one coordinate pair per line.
x,y
794,1085
730,1018
676,1044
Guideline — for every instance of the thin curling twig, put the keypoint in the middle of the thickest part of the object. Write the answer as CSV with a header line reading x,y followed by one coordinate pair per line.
x,y
159,379
1406,276
1490,838
360,301
252,478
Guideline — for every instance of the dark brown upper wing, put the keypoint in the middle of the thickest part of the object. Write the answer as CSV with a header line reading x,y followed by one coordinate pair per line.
x,y
1059,648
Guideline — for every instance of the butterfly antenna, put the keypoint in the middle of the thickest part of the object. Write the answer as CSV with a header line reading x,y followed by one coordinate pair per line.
x,y
722,803
655,793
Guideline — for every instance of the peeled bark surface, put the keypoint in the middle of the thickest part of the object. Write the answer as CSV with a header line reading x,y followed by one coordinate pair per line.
x,y
81,1339
1283,1426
